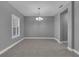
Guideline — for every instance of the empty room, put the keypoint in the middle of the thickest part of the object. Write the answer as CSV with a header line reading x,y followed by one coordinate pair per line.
x,y
39,28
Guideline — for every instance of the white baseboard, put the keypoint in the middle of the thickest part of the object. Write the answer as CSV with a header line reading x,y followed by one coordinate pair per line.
x,y
43,38
58,40
77,52
38,37
70,49
73,50
6,49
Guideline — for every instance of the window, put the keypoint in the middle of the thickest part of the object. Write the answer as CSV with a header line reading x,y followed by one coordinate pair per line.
x,y
15,26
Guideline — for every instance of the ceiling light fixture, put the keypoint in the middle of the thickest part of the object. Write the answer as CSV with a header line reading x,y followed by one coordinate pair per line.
x,y
39,18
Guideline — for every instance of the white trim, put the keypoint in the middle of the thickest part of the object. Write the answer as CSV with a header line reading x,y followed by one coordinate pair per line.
x,y
6,49
77,52
38,37
58,40
70,49
43,38
73,50
17,20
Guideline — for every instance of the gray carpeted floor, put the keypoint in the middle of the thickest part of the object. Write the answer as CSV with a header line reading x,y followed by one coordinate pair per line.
x,y
39,48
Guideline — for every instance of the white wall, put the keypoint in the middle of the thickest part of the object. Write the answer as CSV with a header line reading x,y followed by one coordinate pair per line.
x,y
6,10
57,26
33,28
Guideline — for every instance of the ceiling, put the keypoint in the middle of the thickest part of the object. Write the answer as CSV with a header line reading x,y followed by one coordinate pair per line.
x,y
30,8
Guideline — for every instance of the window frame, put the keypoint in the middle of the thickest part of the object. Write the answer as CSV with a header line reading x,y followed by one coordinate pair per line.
x,y
17,26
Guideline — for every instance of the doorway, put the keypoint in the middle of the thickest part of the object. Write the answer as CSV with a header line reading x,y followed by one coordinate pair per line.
x,y
64,26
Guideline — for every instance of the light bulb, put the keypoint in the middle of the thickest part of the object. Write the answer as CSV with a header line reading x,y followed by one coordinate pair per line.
x,y
39,18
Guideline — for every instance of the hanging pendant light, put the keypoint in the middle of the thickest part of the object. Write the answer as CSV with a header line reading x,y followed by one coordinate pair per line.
x,y
39,18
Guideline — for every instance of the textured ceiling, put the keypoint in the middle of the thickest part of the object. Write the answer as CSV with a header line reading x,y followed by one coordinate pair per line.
x,y
30,8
